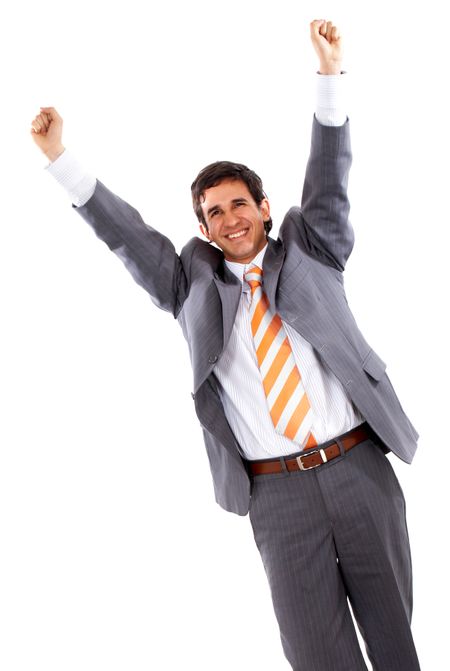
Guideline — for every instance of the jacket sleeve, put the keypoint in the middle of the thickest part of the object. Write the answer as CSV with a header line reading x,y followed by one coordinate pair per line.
x,y
322,220
149,256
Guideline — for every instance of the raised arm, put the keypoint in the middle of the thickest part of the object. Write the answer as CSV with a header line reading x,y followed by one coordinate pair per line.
x,y
325,206
322,220
148,255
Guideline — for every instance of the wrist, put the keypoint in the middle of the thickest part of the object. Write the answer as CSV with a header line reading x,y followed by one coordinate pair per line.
x,y
54,152
330,68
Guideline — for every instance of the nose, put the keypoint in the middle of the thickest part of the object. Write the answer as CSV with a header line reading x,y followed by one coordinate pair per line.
x,y
232,219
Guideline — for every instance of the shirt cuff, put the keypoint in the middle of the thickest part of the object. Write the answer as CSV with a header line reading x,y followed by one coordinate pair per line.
x,y
331,99
79,184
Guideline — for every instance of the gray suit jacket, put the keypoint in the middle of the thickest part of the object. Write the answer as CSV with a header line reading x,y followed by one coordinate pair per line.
x,y
303,278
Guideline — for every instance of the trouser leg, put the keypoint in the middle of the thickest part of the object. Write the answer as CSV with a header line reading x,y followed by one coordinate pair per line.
x,y
367,508
294,535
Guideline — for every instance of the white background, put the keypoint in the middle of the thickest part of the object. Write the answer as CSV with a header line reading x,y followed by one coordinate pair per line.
x,y
114,554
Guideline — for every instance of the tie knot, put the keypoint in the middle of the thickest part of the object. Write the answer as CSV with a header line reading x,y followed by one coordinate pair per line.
x,y
254,277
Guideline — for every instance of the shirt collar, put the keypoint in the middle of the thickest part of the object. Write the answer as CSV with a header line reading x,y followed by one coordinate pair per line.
x,y
239,269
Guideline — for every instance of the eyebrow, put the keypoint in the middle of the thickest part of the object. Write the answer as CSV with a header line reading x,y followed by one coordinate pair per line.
x,y
235,200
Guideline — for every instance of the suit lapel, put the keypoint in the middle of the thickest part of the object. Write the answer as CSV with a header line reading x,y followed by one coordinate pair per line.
x,y
273,261
229,288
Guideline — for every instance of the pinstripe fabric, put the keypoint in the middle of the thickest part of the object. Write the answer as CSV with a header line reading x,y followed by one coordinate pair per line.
x,y
303,279
351,509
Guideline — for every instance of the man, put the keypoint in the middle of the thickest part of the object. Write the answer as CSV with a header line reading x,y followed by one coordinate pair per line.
x,y
296,408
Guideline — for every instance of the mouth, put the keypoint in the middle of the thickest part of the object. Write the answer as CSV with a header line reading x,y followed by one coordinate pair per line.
x,y
238,235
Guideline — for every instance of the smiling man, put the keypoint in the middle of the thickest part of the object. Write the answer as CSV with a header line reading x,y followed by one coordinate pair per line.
x,y
232,217
297,411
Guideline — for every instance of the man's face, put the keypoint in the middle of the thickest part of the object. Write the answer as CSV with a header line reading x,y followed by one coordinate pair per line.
x,y
235,222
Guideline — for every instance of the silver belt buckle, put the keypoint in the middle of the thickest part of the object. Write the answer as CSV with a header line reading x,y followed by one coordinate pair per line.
x,y
307,468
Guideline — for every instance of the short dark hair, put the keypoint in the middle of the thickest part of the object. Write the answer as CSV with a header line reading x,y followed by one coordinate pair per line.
x,y
215,173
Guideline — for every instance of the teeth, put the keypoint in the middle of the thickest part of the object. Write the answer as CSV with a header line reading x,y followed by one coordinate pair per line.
x,y
237,235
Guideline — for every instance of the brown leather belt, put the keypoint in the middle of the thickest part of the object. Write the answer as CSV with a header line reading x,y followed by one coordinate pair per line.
x,y
313,457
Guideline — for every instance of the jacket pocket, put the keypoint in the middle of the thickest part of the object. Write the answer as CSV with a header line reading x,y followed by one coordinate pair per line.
x,y
374,365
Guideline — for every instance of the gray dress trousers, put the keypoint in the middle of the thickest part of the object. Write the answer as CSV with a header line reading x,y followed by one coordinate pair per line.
x,y
331,535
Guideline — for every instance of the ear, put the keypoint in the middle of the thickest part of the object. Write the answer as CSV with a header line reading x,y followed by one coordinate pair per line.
x,y
264,208
205,232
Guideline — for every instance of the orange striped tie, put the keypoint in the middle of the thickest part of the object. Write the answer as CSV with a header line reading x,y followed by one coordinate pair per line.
x,y
288,403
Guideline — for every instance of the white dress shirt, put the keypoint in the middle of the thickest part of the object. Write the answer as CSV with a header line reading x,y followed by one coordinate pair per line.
x,y
237,370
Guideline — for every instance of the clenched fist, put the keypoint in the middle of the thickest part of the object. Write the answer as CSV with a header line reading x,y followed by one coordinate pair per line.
x,y
328,44
46,130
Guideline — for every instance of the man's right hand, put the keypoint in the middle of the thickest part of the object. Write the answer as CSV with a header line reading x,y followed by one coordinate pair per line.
x,y
46,131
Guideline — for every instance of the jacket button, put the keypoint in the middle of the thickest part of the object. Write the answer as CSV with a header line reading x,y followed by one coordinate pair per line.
x,y
212,358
